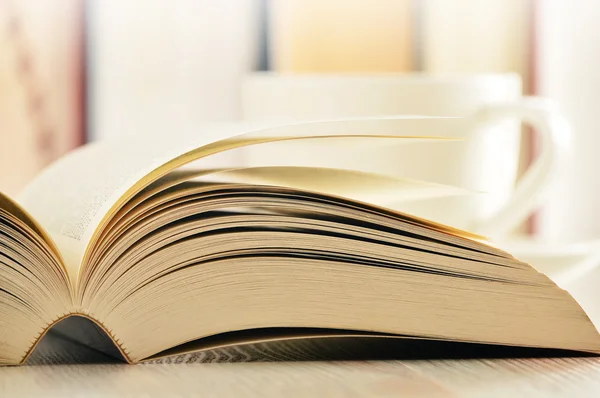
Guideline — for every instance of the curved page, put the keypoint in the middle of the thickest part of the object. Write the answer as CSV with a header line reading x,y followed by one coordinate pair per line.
x,y
15,209
75,197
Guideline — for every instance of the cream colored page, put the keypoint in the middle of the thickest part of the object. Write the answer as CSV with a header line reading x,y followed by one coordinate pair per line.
x,y
9,205
70,197
372,188
76,196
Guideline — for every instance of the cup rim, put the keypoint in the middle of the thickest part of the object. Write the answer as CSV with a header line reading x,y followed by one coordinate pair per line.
x,y
386,77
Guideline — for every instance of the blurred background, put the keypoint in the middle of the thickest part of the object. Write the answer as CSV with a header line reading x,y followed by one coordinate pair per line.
x,y
75,71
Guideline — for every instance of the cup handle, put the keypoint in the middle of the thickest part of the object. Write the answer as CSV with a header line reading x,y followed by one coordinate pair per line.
x,y
532,187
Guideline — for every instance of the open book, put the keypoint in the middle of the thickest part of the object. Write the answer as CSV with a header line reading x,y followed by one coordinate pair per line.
x,y
162,258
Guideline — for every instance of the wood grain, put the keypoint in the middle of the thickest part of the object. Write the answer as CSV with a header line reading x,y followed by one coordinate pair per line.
x,y
55,370
548,377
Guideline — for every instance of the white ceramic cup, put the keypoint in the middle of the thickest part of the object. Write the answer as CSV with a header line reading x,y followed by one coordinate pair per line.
x,y
485,161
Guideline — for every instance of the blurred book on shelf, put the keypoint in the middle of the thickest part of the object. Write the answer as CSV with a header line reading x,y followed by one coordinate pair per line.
x,y
160,66
341,35
41,109
475,36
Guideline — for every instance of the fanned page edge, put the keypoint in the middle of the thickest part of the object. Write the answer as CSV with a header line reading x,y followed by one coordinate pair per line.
x,y
202,347
18,211
278,134
253,137
124,167
363,128
425,222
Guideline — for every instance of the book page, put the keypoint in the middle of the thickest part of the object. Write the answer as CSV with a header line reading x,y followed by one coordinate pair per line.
x,y
70,197
9,205
376,189
77,195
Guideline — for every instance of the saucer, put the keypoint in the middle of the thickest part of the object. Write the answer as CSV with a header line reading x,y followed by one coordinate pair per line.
x,y
562,262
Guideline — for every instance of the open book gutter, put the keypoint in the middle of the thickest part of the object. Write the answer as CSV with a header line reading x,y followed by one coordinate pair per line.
x,y
163,261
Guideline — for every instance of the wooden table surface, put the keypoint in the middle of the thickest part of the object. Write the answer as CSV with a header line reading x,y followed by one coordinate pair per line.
x,y
55,370
558,377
